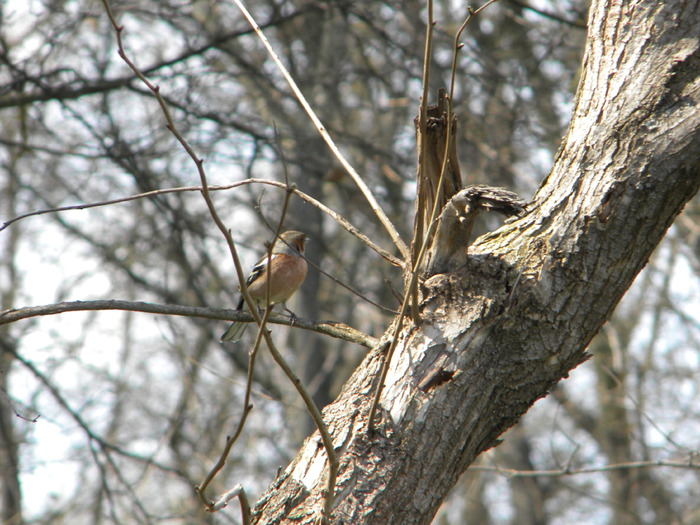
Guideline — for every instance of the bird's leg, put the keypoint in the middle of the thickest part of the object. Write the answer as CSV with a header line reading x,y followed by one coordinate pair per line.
x,y
292,315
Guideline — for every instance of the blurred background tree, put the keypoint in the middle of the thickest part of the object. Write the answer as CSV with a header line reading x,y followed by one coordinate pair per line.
x,y
135,408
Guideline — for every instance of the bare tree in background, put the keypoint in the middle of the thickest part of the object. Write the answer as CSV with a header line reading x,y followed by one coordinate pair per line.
x,y
142,404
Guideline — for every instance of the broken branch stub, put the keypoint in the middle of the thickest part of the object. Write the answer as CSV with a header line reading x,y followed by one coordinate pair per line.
x,y
431,147
448,250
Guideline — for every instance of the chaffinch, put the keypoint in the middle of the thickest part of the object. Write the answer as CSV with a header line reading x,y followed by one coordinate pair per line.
x,y
287,272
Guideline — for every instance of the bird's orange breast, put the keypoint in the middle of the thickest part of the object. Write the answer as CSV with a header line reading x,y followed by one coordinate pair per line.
x,y
287,274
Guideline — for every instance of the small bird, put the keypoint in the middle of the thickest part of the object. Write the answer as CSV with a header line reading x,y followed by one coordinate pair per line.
x,y
287,270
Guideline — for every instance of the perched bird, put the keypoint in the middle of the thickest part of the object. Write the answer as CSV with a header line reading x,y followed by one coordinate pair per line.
x,y
287,270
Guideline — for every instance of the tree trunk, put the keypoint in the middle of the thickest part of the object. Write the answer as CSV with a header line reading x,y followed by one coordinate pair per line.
x,y
497,334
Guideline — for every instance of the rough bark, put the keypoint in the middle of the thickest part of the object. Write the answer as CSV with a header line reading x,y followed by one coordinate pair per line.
x,y
497,334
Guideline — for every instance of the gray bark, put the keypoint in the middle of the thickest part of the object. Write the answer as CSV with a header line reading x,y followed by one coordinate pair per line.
x,y
498,333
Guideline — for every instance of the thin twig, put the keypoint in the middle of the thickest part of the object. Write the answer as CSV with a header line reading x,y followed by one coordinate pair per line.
x,y
311,406
549,14
75,415
379,212
428,234
212,506
303,196
301,389
514,473
199,163
236,492
333,277
323,431
422,149
307,198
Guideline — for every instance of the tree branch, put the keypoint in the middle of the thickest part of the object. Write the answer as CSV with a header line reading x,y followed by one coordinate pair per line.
x,y
331,328
369,196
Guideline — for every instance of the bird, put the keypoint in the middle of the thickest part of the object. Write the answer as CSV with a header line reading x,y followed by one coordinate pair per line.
x,y
287,271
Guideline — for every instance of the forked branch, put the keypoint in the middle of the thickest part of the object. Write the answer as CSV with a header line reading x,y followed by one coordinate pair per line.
x,y
306,397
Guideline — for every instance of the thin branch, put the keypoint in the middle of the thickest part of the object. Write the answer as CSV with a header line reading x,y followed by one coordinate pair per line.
x,y
301,389
331,328
307,198
549,14
75,415
212,506
379,212
303,196
102,85
423,118
289,189
422,151
514,473
11,403
197,161
308,401
238,492
323,431
428,234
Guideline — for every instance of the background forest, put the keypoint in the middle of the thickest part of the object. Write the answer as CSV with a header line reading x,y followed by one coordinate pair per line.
x,y
121,414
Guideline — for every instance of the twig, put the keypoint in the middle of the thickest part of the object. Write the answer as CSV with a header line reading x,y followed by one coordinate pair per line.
x,y
323,431
75,415
301,389
514,473
63,93
428,234
351,289
307,198
213,506
549,14
315,413
422,150
379,212
197,161
303,196
332,277
238,492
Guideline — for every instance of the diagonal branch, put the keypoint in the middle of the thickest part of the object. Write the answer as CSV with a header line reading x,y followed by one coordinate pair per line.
x,y
379,212
303,196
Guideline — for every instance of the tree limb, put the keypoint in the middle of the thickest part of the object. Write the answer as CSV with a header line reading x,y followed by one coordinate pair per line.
x,y
331,328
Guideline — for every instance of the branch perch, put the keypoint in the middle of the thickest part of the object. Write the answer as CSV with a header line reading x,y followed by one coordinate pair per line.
x,y
331,328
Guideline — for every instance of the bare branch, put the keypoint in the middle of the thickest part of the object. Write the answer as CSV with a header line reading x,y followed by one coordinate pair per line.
x,y
383,218
331,328
239,492
303,196
75,415
690,463
427,239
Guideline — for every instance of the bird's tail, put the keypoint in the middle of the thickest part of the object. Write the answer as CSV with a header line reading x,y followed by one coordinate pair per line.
x,y
234,332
